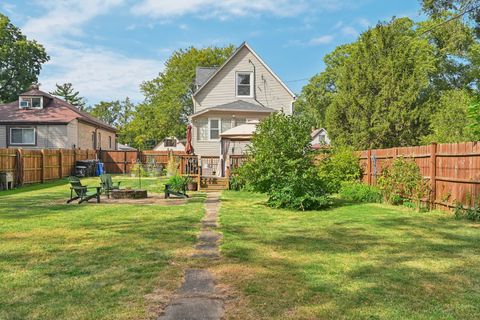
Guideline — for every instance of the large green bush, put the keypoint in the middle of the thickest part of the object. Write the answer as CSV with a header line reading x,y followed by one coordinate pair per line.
x,y
339,165
402,180
359,192
281,164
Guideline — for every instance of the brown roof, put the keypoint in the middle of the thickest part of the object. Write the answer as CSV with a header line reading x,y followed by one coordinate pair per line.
x,y
54,110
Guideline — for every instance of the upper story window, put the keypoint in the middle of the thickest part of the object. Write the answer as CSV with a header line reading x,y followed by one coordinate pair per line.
x,y
244,84
31,102
22,136
214,129
170,143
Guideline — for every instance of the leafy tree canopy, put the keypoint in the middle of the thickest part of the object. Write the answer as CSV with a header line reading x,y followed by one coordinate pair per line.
x,y
168,98
118,114
20,61
467,8
382,90
68,93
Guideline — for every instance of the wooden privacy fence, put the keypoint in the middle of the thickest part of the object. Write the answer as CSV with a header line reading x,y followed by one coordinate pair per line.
x,y
121,162
38,166
452,168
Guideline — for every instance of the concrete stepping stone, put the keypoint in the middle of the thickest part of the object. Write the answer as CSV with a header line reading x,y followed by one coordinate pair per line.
x,y
194,309
197,299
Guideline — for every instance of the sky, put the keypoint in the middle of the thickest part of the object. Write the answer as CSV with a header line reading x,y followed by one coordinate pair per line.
x,y
107,48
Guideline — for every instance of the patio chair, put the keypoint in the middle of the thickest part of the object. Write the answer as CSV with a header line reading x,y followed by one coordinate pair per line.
x,y
79,191
107,184
169,192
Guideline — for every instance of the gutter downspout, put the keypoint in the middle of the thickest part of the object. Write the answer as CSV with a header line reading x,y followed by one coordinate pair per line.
x,y
254,80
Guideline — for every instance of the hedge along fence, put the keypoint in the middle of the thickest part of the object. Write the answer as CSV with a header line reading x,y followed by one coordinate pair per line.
x,y
38,166
452,168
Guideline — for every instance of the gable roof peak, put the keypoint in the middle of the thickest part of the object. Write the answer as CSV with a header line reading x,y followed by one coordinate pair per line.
x,y
242,45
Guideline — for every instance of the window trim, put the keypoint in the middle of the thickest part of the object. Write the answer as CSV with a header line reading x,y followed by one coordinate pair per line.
x,y
210,129
250,73
23,98
10,143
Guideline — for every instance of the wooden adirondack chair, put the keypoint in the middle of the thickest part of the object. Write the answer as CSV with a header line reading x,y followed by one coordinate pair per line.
x,y
169,192
107,184
79,191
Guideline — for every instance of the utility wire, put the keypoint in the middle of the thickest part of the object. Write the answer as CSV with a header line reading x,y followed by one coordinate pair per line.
x,y
454,17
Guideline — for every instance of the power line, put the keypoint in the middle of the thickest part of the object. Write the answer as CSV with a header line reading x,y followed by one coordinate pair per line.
x,y
298,80
454,17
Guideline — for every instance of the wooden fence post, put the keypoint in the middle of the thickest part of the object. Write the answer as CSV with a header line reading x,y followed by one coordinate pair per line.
x,y
369,167
19,168
433,173
42,176
60,163
125,162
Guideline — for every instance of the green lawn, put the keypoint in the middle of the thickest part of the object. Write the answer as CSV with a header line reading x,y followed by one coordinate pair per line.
x,y
90,261
364,261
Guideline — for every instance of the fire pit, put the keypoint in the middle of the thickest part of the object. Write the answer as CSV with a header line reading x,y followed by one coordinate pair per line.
x,y
129,194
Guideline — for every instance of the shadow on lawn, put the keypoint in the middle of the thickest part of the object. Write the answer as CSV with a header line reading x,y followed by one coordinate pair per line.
x,y
427,269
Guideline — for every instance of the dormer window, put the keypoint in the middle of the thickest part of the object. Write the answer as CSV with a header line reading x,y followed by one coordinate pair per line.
x,y
31,102
244,84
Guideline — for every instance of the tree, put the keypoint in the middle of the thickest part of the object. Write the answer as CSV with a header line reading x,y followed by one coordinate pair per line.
x,y
380,88
168,98
290,178
460,8
449,123
68,93
474,117
20,61
118,114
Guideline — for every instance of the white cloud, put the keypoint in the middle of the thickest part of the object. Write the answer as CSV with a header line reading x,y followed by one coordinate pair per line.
x,y
98,73
223,9
349,31
326,39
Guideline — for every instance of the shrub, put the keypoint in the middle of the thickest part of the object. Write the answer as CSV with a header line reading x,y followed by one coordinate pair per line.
x,y
138,170
359,192
469,213
341,165
402,180
280,163
178,183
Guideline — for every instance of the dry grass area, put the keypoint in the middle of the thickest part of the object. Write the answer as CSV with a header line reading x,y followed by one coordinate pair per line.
x,y
89,261
353,261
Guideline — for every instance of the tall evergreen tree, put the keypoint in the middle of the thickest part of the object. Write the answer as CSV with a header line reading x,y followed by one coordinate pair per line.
x,y
68,93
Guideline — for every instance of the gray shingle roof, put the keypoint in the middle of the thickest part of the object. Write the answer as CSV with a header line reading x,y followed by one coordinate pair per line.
x,y
243,106
203,74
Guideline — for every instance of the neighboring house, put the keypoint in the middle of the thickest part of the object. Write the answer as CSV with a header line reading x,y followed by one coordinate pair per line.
x,y
170,144
320,138
243,90
125,147
39,120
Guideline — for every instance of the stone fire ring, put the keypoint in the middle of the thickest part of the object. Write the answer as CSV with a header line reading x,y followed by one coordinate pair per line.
x,y
129,194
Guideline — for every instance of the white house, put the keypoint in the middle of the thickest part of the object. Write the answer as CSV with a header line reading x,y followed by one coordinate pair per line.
x,y
170,144
320,138
231,99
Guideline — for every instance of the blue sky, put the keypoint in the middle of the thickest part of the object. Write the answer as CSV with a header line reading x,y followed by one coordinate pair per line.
x,y
106,48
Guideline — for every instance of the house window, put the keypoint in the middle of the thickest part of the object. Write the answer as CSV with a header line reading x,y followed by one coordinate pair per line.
x,y
244,84
202,129
31,102
226,124
214,129
240,121
109,142
170,143
22,136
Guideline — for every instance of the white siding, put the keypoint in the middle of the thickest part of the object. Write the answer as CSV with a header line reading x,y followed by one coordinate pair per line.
x,y
3,136
52,136
221,89
212,148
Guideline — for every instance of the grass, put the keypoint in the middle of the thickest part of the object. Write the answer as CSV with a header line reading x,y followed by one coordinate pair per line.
x,y
90,261
365,261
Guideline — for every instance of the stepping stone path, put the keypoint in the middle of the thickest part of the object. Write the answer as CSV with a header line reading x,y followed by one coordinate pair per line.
x,y
197,298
